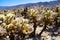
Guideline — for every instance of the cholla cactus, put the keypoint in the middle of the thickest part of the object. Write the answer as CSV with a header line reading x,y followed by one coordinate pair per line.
x,y
52,16
2,18
2,31
10,17
22,23
20,20
47,18
21,10
32,15
11,27
27,28
3,25
32,12
49,15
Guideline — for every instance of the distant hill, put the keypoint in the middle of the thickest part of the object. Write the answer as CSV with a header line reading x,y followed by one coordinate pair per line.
x,y
51,3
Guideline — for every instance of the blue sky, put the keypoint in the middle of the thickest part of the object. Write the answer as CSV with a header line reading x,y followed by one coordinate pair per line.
x,y
17,2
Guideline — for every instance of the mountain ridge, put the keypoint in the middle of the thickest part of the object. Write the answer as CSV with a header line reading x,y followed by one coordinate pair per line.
x,y
51,3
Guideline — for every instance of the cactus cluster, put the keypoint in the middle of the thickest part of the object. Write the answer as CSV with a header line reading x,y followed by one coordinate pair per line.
x,y
28,20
